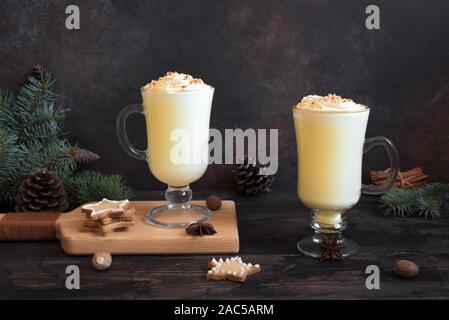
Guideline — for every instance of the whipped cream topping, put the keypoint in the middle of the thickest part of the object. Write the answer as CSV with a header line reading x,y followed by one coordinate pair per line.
x,y
330,103
176,82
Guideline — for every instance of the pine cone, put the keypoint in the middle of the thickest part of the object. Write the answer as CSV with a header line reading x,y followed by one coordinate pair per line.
x,y
249,180
41,191
83,157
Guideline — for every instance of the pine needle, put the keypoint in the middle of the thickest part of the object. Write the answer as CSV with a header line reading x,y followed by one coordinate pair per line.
x,y
426,201
89,186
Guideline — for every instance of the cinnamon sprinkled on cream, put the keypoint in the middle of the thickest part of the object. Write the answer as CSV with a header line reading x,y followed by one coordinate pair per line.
x,y
329,103
176,82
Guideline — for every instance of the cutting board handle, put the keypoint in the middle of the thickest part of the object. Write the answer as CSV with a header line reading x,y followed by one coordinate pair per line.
x,y
39,226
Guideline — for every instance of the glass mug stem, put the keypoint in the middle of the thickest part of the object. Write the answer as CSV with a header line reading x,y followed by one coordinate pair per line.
x,y
179,212
329,224
179,197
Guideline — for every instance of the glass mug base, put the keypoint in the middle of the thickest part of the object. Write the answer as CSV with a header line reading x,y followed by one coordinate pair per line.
x,y
178,212
168,216
311,247
327,224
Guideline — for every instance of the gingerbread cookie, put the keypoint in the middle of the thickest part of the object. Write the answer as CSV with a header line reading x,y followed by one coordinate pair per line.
x,y
233,269
108,216
105,208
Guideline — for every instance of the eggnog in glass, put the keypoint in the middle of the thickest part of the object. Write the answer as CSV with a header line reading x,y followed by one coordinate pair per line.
x,y
330,135
177,109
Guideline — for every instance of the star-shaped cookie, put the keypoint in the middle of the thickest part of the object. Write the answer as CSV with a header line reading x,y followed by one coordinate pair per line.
x,y
106,208
107,216
233,269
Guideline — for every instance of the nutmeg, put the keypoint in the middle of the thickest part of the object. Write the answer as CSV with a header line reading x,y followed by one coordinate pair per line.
x,y
102,261
406,268
213,203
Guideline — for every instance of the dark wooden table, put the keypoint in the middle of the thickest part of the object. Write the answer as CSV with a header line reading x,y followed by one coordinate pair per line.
x,y
269,228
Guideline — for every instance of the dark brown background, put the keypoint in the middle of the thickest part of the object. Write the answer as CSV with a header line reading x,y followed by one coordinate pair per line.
x,y
262,56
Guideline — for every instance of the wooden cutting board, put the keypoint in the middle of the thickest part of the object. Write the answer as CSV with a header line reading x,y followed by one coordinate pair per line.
x,y
145,239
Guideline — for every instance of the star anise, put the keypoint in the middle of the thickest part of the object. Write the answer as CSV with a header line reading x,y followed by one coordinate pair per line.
x,y
330,249
201,229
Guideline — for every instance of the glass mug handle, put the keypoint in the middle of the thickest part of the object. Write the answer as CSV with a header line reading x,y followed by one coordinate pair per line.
x,y
123,136
394,164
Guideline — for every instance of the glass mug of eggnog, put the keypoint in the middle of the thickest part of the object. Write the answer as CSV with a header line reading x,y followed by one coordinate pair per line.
x,y
177,109
330,135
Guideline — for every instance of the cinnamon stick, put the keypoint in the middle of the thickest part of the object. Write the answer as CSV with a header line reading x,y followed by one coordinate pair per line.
x,y
382,175
406,180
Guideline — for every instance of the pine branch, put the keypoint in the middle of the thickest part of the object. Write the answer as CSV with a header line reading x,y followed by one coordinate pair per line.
x,y
7,119
43,123
89,186
6,99
59,158
54,156
30,125
426,201
34,108
11,156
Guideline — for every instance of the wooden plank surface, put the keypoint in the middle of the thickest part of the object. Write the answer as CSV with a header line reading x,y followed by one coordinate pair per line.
x,y
269,227
147,239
